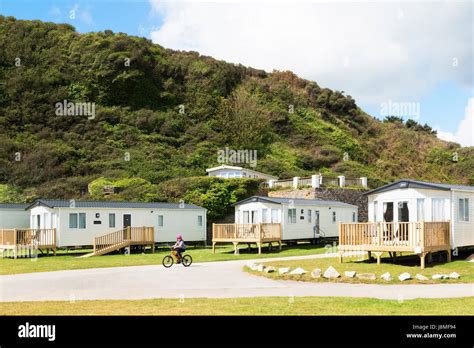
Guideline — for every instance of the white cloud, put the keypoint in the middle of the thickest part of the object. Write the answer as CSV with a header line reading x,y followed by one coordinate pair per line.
x,y
372,51
465,133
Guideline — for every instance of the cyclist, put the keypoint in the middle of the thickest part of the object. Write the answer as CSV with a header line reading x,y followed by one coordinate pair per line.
x,y
179,247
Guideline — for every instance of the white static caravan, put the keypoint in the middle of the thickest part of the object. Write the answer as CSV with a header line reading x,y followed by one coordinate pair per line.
x,y
299,218
78,222
14,216
411,200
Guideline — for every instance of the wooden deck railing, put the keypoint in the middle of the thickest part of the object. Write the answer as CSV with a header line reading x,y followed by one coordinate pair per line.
x,y
128,236
418,237
30,236
247,232
399,236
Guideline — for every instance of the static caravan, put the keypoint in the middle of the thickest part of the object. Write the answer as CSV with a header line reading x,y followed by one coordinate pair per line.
x,y
299,218
14,216
415,201
78,222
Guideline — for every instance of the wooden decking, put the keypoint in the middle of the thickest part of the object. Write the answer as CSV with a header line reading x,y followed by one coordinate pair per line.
x,y
246,233
123,238
420,238
25,242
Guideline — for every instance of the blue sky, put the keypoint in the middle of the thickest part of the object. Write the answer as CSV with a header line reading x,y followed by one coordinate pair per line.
x,y
402,66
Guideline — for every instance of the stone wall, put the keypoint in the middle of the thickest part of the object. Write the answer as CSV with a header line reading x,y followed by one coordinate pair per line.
x,y
351,196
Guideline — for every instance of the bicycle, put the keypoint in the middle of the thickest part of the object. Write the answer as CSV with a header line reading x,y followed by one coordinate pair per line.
x,y
169,260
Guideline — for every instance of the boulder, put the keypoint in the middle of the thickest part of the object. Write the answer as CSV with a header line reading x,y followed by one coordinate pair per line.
x,y
331,273
439,276
260,268
454,275
404,276
421,277
366,276
386,276
349,274
298,271
283,270
269,269
316,273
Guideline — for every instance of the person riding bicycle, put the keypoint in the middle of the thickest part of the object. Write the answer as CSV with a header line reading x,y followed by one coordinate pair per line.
x,y
179,247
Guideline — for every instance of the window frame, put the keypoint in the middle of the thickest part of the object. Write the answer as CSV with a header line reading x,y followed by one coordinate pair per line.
x,y
291,215
114,220
161,220
200,221
80,226
463,210
77,221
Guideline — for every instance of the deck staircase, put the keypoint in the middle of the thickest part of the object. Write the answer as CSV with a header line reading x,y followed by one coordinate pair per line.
x,y
123,238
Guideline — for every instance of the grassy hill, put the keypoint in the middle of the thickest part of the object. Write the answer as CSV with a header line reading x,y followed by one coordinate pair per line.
x,y
162,115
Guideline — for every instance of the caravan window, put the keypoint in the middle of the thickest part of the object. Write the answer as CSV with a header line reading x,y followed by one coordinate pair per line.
x,y
246,217
111,220
160,220
375,211
292,216
275,216
420,209
199,220
72,220
437,209
309,215
264,215
333,217
82,220
254,216
463,210
353,216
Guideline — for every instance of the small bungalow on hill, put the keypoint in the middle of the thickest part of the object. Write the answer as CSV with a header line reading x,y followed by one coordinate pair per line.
x,y
229,172
414,216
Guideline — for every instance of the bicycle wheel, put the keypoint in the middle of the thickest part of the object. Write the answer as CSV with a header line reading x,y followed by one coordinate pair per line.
x,y
187,260
168,261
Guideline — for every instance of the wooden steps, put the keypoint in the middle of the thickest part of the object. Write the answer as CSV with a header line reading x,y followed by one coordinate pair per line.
x,y
122,239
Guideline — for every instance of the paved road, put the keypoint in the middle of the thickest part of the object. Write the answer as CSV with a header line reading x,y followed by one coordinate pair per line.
x,y
212,279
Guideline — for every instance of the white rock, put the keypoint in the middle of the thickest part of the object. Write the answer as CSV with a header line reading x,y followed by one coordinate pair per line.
x,y
439,276
349,274
283,270
269,269
252,266
366,276
421,277
404,276
260,268
331,273
386,276
316,273
454,275
298,271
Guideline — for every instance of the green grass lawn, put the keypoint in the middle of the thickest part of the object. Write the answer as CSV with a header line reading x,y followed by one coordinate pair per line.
x,y
70,260
408,264
247,306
